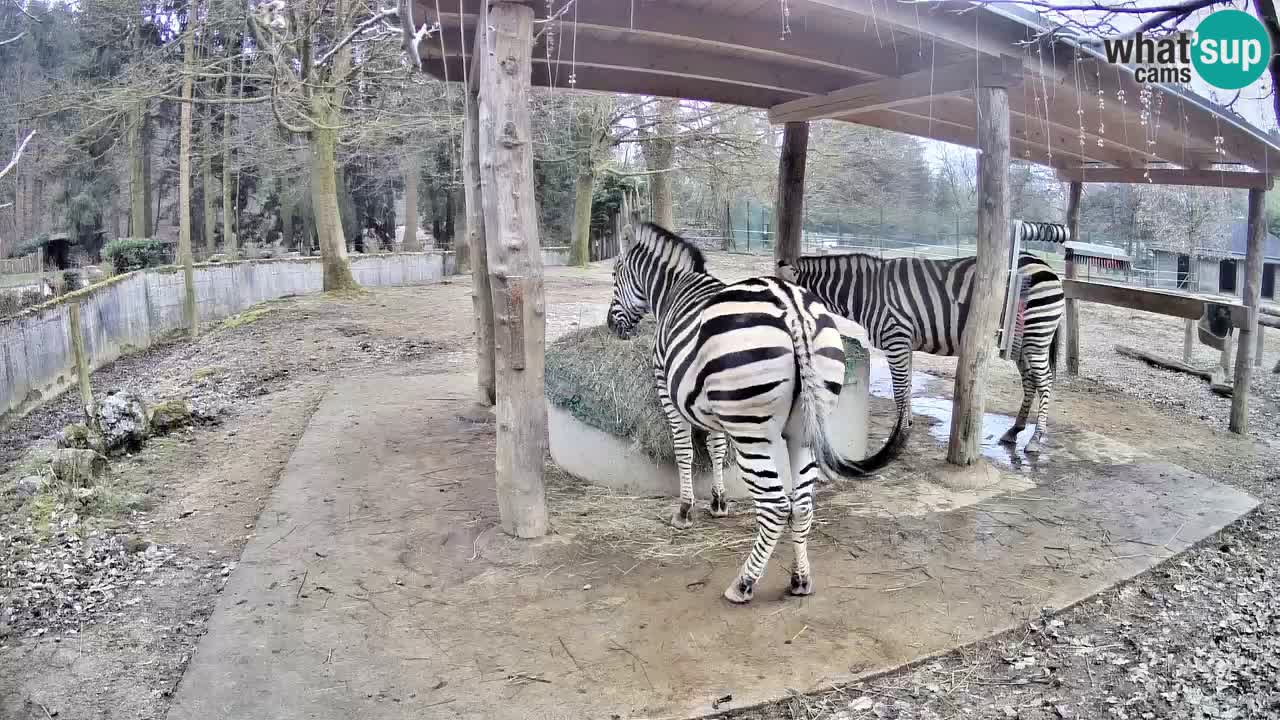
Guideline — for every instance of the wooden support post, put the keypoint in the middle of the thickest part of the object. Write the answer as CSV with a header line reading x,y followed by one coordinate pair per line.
x,y
1252,297
790,212
515,267
481,294
1188,340
990,275
82,364
1257,353
1072,314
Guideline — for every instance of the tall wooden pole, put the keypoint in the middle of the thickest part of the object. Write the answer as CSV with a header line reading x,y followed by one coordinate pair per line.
x,y
1074,191
481,294
1252,297
515,267
978,342
790,213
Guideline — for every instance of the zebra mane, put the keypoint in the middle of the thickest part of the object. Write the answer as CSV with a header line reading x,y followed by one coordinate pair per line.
x,y
655,237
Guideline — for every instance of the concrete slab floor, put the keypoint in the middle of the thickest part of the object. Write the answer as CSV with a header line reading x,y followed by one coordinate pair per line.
x,y
378,586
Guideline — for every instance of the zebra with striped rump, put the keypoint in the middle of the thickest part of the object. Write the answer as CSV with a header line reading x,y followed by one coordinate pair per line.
x,y
914,304
759,362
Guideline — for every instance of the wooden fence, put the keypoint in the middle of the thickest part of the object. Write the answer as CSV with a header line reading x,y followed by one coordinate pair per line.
x,y
32,263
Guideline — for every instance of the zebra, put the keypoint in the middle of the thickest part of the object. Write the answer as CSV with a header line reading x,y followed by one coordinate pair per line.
x,y
759,362
913,304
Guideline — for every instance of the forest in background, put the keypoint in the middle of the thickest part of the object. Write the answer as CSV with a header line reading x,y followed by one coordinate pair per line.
x,y
309,128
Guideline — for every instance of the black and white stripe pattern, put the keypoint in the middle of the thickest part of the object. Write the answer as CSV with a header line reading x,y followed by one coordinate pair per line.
x,y
913,304
759,362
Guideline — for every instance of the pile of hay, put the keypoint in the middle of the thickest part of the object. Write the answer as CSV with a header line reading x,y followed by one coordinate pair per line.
x,y
607,383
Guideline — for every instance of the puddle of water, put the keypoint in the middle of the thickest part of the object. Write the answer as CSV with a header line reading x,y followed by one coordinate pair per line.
x,y
993,424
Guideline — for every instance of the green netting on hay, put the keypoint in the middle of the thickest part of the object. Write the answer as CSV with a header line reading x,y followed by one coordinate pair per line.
x,y
853,350
607,383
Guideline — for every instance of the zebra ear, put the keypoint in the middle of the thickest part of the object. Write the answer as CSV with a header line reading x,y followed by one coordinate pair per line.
x,y
786,271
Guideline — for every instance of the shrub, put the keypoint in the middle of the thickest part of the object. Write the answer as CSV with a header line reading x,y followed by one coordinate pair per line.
x,y
128,254
13,302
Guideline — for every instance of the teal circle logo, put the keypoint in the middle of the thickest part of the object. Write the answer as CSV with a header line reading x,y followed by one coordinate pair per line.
x,y
1231,49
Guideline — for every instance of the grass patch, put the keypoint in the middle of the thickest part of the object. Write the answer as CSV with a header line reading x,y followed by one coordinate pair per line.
x,y
248,317
208,372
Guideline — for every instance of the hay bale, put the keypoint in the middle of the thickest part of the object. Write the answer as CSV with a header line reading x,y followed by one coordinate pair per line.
x,y
607,383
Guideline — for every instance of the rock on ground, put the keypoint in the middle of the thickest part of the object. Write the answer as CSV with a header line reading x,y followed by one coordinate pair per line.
x,y
122,418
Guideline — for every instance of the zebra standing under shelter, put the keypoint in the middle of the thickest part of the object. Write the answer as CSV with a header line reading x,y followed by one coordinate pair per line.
x,y
916,304
759,361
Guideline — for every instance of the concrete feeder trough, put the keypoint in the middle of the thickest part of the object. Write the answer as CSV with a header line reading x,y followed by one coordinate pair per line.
x,y
605,459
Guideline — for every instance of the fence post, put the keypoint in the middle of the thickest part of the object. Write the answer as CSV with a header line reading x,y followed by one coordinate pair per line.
x,y
82,362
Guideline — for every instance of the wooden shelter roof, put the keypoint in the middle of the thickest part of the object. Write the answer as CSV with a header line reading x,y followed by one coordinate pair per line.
x,y
903,66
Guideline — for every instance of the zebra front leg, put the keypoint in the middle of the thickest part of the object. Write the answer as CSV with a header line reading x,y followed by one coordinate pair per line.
x,y
1010,436
805,475
758,463
716,449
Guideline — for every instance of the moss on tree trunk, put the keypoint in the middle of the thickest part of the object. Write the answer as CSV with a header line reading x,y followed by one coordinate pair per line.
x,y
580,242
324,201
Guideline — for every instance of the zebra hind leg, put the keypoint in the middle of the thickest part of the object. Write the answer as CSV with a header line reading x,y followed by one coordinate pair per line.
x,y
759,468
1043,375
716,447
1010,436
805,473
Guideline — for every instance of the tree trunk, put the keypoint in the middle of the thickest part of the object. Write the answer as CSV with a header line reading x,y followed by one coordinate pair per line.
x,y
229,244
461,245
515,267
184,185
324,194
139,189
206,178
579,247
976,342
790,215
659,155
409,242
481,293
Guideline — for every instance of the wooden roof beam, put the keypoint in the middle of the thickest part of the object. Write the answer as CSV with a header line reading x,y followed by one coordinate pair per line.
x,y
959,133
889,92
691,65
1169,176
625,80
804,47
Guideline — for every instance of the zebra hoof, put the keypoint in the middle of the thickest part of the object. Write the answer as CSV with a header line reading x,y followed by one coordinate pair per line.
x,y
719,505
741,591
1033,446
1010,437
681,518
801,586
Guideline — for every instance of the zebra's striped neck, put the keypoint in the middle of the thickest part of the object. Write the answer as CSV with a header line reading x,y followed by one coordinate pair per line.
x,y
842,282
676,291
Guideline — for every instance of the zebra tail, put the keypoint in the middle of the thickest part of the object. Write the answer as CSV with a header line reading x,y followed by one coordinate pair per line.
x,y
814,417
1053,348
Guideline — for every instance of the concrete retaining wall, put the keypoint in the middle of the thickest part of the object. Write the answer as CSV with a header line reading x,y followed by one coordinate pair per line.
x,y
614,462
133,310
555,256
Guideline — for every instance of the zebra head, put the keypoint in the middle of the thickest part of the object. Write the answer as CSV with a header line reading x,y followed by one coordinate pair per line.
x,y
629,303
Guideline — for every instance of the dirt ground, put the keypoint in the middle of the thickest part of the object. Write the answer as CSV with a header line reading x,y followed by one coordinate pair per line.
x,y
1194,638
